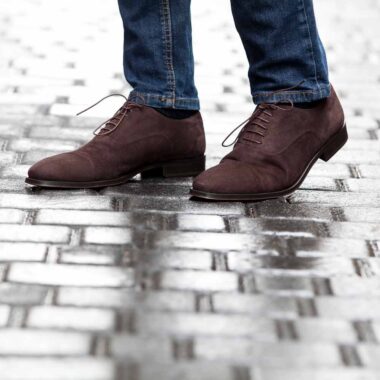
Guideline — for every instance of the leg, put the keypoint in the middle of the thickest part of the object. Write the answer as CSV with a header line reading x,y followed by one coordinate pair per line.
x,y
158,62
278,145
283,49
158,55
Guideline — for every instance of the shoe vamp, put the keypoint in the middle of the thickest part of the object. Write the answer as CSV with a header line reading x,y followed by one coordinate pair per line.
x,y
116,157
237,177
291,160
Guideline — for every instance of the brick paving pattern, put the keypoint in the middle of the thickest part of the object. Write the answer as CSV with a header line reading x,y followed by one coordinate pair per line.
x,y
136,282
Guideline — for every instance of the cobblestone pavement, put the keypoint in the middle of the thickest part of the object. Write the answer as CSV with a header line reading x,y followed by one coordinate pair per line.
x,y
136,282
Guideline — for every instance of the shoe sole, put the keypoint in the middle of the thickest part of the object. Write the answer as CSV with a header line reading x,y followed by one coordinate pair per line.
x,y
179,168
331,147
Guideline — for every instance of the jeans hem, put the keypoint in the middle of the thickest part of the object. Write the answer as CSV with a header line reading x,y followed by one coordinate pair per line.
x,y
162,101
302,96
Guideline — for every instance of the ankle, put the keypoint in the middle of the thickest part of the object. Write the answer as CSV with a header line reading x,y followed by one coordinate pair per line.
x,y
310,105
173,113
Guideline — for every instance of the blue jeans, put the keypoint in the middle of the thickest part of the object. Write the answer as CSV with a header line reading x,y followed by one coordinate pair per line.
x,y
280,39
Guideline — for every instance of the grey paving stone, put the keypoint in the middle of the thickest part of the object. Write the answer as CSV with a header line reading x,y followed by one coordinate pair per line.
x,y
269,355
92,297
166,301
255,305
355,286
319,183
51,317
147,220
36,234
106,235
11,216
211,241
15,171
286,211
359,230
283,285
82,218
369,353
12,185
198,280
177,259
200,223
141,190
4,314
227,350
206,324
370,171
76,275
126,299
187,371
24,145
41,343
296,355
307,266
7,158
280,227
61,133
304,247
362,214
348,308
363,144
376,329
18,294
357,157
55,201
363,185
138,348
8,129
22,251
92,256
332,170
335,198
32,156
325,330
61,368
177,205
340,373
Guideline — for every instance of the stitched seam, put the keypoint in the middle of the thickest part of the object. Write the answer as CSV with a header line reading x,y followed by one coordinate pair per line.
x,y
311,47
288,93
167,40
166,98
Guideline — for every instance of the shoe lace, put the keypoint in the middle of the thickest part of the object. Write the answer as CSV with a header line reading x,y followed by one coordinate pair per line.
x,y
258,123
110,125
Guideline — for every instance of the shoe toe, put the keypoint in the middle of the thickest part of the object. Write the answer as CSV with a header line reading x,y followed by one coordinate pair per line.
x,y
61,167
46,169
210,181
226,178
236,177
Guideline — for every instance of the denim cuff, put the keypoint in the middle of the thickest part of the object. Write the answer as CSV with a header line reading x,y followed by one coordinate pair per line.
x,y
301,96
162,101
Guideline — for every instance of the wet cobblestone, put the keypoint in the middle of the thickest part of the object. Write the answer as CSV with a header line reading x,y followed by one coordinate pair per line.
x,y
137,282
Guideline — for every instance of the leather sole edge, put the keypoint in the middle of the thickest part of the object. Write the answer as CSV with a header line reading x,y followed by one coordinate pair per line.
x,y
178,168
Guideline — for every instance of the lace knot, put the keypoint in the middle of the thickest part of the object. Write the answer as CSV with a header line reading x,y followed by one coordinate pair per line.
x,y
110,125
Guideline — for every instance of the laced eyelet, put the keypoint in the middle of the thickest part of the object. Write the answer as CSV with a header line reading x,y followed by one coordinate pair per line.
x,y
253,120
115,121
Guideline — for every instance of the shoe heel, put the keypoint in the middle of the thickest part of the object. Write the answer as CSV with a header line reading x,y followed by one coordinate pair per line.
x,y
184,168
334,144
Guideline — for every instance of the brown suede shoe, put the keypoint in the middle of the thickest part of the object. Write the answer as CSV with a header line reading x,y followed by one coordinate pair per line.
x,y
136,139
274,152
